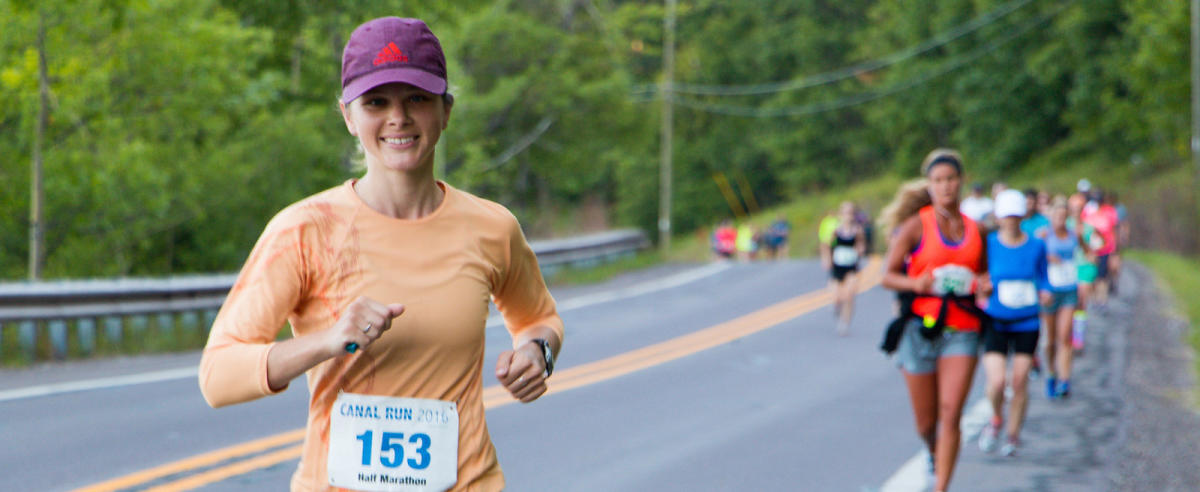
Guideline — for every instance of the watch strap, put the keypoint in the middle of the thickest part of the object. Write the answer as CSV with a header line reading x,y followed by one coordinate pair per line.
x,y
547,354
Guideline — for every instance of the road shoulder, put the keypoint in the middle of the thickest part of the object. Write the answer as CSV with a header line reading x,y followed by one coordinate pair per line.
x,y
1160,427
1127,424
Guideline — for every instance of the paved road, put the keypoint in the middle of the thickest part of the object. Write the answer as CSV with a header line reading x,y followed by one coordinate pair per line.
x,y
791,407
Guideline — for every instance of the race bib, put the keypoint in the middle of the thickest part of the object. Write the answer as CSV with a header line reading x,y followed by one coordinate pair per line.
x,y
1062,274
845,256
1016,294
1096,242
952,279
382,443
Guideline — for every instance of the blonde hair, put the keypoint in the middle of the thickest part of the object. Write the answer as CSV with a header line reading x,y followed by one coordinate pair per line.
x,y
910,199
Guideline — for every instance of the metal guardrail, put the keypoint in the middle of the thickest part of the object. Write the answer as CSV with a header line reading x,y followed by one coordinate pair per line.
x,y
40,312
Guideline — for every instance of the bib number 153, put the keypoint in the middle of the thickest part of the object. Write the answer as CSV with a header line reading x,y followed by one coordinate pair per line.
x,y
381,443
391,449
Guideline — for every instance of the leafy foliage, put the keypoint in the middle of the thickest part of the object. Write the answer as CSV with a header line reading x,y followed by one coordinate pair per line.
x,y
177,128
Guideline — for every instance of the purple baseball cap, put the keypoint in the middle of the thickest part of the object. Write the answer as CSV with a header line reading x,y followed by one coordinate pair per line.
x,y
391,49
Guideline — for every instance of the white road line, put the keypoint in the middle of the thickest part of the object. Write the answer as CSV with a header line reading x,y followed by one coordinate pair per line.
x,y
98,383
191,372
911,476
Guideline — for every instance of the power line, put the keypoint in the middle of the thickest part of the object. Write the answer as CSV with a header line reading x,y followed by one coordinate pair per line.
x,y
520,145
957,62
850,71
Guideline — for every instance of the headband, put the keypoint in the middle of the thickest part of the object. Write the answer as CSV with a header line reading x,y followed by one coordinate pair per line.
x,y
945,159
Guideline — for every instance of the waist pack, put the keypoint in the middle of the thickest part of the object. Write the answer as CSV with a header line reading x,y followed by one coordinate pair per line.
x,y
895,329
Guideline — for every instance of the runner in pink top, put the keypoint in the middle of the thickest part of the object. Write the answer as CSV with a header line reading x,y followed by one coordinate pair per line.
x,y
1102,216
385,282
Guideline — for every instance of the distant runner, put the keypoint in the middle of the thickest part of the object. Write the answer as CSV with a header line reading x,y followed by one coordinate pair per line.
x,y
776,238
1017,282
1122,239
724,240
977,205
844,252
1063,248
938,346
824,235
747,242
1085,259
1102,216
1034,223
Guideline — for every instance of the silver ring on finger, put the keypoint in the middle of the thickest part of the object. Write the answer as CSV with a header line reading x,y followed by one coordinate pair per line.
x,y
520,378
367,328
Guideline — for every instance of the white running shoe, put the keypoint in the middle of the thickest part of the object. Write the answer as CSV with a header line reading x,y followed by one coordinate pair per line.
x,y
989,437
1009,448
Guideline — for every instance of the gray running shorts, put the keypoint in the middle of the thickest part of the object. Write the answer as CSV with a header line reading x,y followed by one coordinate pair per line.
x,y
918,355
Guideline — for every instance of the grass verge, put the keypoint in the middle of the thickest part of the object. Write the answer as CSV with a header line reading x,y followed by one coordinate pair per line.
x,y
569,275
1181,275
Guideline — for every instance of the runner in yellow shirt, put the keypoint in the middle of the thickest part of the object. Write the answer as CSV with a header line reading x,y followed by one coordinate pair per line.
x,y
385,281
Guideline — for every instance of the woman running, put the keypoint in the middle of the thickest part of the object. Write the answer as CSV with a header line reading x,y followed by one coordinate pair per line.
x,y
385,281
1063,247
1085,257
1102,216
938,350
1016,281
845,249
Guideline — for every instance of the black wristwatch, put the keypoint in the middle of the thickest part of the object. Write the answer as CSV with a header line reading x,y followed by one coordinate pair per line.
x,y
547,354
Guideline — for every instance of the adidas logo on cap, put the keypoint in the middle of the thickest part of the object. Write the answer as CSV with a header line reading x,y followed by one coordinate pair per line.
x,y
390,53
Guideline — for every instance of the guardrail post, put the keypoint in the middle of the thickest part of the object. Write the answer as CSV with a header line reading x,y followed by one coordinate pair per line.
x,y
190,323
27,338
58,338
112,331
166,323
85,328
210,317
137,331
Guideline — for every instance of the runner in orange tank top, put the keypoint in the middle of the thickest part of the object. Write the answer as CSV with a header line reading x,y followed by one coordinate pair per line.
x,y
939,346
935,252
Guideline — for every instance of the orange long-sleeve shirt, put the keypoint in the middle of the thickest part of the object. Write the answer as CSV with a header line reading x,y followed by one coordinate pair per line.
x,y
320,254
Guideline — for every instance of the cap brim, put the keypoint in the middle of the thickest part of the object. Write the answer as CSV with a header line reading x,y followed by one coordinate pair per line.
x,y
405,75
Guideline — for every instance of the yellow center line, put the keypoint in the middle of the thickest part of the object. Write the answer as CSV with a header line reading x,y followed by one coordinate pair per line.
x,y
231,470
198,461
497,396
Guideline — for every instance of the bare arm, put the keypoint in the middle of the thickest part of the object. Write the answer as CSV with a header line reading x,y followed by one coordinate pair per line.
x,y
901,244
860,242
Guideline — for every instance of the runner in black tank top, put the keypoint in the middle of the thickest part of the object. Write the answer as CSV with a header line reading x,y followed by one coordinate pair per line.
x,y
845,250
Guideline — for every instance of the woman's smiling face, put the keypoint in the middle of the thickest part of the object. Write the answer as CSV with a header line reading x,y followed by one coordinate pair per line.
x,y
398,125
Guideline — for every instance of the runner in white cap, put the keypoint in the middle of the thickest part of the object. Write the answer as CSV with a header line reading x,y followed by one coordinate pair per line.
x,y
1016,283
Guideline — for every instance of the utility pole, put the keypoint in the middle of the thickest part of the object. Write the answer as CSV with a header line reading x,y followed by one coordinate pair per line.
x,y
36,227
668,108
1196,92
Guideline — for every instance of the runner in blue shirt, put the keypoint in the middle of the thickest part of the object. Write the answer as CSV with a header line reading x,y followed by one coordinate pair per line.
x,y
1064,250
1035,224
1016,281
